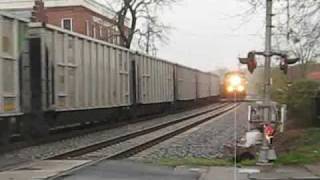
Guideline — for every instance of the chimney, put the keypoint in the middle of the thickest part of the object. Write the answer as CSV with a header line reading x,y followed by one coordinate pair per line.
x,y
39,12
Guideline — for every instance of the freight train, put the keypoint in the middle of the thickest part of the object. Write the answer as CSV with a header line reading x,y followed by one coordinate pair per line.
x,y
50,78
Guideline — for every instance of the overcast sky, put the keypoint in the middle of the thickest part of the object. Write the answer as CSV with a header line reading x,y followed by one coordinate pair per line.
x,y
210,34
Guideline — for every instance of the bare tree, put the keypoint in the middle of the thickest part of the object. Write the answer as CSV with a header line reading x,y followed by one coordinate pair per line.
x,y
132,15
150,34
300,34
297,25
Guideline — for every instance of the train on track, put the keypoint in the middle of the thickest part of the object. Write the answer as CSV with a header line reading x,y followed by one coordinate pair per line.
x,y
51,78
235,85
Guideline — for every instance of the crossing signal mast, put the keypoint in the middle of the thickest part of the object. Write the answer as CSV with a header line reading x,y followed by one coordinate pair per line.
x,y
266,108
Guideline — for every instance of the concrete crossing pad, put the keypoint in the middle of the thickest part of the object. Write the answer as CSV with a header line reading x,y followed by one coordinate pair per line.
x,y
127,170
40,170
286,173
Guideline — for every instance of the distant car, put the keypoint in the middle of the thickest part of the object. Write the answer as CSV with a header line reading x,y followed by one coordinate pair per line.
x,y
235,84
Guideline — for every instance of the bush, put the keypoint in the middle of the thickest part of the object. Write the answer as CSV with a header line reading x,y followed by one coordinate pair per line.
x,y
303,150
279,91
301,97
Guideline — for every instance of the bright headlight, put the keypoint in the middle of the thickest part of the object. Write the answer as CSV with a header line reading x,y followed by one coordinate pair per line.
x,y
235,80
230,89
240,88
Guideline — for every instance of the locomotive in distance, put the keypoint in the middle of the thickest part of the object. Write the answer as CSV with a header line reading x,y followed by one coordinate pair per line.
x,y
235,84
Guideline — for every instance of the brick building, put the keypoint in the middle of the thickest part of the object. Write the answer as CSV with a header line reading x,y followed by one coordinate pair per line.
x,y
87,17
312,71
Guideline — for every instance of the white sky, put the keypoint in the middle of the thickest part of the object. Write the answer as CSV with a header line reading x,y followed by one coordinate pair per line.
x,y
211,34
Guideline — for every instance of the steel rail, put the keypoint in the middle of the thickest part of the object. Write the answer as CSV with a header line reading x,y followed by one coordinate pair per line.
x,y
97,146
146,145
65,133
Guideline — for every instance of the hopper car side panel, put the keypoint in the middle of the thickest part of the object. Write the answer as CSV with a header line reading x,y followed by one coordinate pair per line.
x,y
155,80
186,83
83,73
203,85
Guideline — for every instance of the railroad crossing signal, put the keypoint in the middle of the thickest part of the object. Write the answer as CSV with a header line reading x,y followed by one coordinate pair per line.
x,y
250,61
284,66
285,62
267,152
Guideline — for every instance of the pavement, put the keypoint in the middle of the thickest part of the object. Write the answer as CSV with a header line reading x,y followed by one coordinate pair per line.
x,y
40,170
287,173
130,170
308,172
314,168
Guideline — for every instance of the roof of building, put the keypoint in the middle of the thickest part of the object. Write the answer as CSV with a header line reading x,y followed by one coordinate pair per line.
x,y
28,4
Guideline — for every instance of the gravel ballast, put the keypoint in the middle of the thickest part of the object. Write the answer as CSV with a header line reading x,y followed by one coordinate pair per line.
x,y
204,141
26,155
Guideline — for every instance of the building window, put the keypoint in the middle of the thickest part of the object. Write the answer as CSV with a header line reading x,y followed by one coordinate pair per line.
x,y
94,33
118,40
87,28
66,23
107,34
115,39
100,33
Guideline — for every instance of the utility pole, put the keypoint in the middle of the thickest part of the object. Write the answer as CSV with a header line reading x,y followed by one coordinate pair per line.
x,y
148,38
265,149
267,108
288,20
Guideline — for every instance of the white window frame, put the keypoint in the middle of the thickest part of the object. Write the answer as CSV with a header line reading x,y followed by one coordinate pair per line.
x,y
107,35
71,23
94,31
100,32
118,39
87,28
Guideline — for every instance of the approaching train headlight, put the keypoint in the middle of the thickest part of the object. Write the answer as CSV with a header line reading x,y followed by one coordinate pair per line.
x,y
230,89
240,88
235,81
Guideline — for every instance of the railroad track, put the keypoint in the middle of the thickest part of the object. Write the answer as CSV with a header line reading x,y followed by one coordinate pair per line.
x,y
130,144
58,134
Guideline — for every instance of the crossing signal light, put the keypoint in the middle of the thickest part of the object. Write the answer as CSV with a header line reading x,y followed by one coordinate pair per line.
x,y
285,62
284,65
250,61
252,65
